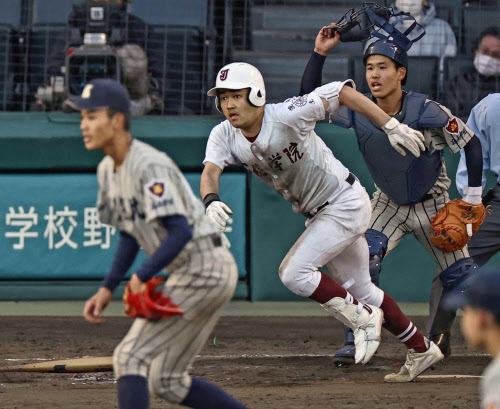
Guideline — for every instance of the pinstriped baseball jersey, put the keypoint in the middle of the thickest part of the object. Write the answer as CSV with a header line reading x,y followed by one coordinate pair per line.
x,y
453,136
163,351
396,221
287,156
147,186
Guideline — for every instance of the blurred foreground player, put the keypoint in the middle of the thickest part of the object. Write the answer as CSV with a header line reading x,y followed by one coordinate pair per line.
x,y
143,194
480,301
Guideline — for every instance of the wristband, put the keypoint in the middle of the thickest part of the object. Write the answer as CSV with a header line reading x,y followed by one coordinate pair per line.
x,y
211,197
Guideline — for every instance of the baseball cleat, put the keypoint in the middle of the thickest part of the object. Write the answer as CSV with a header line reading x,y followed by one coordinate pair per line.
x,y
367,336
366,321
416,363
345,355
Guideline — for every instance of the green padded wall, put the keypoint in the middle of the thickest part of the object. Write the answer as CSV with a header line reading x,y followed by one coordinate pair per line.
x,y
35,142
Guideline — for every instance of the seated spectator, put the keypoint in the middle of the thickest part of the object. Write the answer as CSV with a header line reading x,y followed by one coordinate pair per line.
x,y
466,89
439,39
141,71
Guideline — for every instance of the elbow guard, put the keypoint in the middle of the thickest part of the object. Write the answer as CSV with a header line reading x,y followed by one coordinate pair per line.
x,y
331,92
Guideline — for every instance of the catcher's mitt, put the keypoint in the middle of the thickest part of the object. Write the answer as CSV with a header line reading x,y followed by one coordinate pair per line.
x,y
150,304
454,225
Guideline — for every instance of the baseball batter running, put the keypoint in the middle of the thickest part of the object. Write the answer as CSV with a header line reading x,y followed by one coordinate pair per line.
x,y
277,143
143,194
409,190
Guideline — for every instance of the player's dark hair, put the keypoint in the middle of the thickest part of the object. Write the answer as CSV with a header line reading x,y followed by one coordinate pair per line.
x,y
398,66
126,121
490,31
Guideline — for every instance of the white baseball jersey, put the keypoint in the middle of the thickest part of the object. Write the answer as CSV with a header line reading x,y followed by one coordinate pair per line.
x,y
287,155
147,186
290,158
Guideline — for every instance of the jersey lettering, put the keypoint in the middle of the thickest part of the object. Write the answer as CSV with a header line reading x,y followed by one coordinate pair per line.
x,y
274,161
293,153
128,209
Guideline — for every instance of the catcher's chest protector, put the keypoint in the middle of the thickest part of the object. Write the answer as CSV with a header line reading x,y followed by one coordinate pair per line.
x,y
404,179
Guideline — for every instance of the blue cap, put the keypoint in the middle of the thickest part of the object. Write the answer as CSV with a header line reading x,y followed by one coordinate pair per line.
x,y
480,290
103,93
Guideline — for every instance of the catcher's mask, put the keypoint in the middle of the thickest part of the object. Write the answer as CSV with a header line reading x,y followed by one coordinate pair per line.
x,y
373,20
391,42
358,25
240,75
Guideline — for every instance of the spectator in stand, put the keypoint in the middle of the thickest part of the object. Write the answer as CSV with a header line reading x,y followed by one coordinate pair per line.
x,y
439,39
465,90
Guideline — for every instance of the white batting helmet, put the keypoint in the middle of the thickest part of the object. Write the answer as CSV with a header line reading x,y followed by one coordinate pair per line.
x,y
240,75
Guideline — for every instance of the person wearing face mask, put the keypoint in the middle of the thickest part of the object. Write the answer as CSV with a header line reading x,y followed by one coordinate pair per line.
x,y
473,84
439,39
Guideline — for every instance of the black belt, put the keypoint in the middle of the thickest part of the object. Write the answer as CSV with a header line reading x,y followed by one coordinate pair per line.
x,y
350,179
426,197
216,240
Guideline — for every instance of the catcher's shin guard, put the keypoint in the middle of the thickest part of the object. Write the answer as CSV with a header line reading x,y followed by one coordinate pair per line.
x,y
440,329
457,273
345,355
451,278
377,243
366,325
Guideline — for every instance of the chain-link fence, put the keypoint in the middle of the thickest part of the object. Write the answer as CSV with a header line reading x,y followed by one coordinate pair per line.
x,y
50,48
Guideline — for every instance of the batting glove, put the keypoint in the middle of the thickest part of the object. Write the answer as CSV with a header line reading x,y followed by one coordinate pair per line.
x,y
402,136
219,213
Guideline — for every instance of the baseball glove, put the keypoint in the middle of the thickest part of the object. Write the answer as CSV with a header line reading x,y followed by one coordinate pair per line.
x,y
454,225
150,304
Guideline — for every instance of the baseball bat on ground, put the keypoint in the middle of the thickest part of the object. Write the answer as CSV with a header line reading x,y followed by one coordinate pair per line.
x,y
93,364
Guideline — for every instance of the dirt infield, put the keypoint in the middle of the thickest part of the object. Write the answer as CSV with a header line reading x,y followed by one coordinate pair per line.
x,y
266,362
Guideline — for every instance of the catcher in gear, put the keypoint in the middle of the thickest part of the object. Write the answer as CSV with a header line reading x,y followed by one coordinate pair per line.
x,y
409,190
143,194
